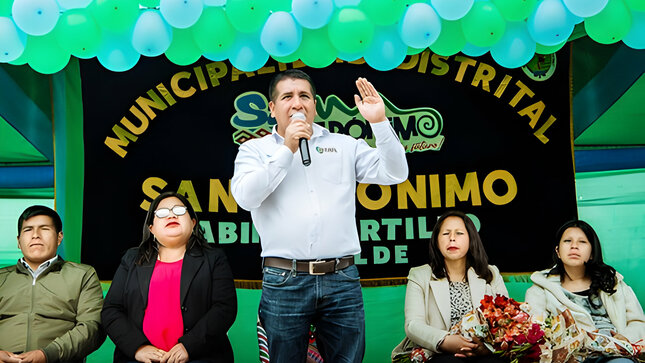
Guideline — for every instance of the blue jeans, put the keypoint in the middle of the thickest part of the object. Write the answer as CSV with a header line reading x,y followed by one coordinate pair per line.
x,y
333,303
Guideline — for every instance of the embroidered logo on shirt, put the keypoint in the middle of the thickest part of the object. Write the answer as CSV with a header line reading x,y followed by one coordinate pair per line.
x,y
326,149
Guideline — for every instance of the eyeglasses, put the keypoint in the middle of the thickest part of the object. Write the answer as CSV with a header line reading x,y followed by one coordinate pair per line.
x,y
178,210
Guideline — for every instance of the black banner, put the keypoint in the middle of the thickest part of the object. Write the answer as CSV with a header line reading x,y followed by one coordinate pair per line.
x,y
493,142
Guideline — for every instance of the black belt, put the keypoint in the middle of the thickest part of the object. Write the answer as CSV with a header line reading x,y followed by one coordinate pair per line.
x,y
317,267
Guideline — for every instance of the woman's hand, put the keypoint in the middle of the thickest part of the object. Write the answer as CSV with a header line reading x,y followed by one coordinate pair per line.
x,y
470,352
457,345
149,354
176,354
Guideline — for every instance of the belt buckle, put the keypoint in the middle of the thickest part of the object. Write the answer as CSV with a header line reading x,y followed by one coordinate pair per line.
x,y
311,267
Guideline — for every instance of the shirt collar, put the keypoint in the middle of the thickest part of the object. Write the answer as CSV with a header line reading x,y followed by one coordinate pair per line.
x,y
43,266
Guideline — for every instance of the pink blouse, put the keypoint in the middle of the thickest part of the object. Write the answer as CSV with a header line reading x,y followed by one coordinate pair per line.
x,y
163,324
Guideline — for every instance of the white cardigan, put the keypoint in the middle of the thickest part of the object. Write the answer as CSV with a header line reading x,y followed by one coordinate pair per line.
x,y
427,303
623,308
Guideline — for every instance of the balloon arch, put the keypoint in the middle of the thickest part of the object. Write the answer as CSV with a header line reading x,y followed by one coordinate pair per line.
x,y
45,33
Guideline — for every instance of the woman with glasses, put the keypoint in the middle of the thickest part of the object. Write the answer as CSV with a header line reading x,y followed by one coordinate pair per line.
x,y
439,294
595,294
172,298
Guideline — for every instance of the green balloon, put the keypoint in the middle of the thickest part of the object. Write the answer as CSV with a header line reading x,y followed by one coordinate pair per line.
x,y
636,5
384,12
451,39
149,3
413,51
545,49
484,25
281,5
213,33
5,7
611,24
287,58
118,16
514,10
24,57
316,49
77,33
183,50
45,55
350,31
248,16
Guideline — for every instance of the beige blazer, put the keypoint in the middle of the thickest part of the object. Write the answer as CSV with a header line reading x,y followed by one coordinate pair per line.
x,y
427,303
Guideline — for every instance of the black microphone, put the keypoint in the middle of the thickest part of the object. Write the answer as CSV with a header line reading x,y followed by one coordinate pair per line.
x,y
303,143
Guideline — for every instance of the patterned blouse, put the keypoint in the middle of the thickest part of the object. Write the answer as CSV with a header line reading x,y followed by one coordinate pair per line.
x,y
596,310
460,301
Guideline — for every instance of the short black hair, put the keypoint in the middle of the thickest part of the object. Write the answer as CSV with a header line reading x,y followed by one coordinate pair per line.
x,y
40,210
290,74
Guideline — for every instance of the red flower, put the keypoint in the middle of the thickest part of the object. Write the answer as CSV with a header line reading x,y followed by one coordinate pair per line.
x,y
535,334
486,302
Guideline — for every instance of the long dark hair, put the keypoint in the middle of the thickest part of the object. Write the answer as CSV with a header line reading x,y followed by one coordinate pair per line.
x,y
476,256
149,246
603,276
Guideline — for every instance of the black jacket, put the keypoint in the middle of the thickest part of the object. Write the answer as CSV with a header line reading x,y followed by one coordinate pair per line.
x,y
208,305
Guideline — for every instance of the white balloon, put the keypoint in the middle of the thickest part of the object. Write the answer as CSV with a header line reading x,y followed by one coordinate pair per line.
x,y
585,8
35,17
420,26
281,35
151,35
312,14
12,40
181,13
452,9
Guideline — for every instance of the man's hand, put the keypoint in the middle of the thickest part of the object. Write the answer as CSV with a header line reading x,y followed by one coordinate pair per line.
x,y
176,354
296,130
457,345
34,356
149,354
370,104
8,357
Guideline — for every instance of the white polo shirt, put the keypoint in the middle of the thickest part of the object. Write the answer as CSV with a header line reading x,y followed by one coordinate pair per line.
x,y
309,212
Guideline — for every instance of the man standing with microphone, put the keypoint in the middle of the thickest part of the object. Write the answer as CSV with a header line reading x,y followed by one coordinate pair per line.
x,y
303,207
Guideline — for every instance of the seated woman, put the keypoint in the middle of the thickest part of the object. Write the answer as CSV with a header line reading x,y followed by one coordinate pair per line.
x,y
580,281
452,284
172,298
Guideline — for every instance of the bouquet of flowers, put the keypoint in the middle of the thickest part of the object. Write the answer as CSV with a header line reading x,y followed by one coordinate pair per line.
x,y
504,326
512,332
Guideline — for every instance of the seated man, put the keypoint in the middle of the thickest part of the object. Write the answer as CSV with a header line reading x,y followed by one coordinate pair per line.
x,y
50,309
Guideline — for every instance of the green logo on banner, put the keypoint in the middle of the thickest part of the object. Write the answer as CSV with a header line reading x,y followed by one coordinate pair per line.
x,y
419,129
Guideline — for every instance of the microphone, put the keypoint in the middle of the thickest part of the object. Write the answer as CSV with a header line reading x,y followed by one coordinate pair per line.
x,y
303,143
